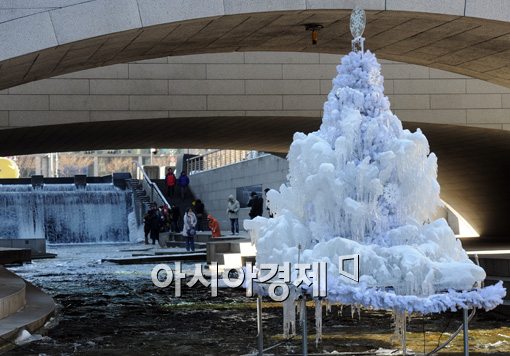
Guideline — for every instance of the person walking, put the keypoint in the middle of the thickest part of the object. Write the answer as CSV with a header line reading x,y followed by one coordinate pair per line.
x,y
155,224
176,216
190,229
183,182
170,181
214,226
256,205
147,226
233,207
200,213
166,218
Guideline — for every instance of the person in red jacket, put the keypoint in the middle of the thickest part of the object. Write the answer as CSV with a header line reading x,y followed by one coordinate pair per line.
x,y
214,226
170,181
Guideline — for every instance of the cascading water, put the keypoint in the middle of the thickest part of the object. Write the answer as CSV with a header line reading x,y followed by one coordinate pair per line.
x,y
63,213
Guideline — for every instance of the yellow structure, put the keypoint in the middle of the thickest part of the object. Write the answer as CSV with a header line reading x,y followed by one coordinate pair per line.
x,y
8,168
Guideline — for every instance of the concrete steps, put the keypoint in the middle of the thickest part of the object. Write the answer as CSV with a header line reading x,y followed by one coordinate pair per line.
x,y
176,239
231,260
22,306
231,254
496,263
12,294
13,256
136,260
21,250
141,199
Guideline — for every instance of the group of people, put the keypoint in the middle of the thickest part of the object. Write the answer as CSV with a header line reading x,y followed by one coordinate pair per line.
x,y
256,204
160,219
164,218
172,181
167,218
191,222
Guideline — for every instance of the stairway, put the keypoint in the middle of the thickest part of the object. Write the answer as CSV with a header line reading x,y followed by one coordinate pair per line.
x,y
497,268
183,204
494,258
22,306
141,199
231,253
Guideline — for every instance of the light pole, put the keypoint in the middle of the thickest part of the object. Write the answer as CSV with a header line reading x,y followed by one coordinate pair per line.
x,y
153,152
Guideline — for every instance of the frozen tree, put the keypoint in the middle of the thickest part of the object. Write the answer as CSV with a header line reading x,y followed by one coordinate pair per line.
x,y
363,185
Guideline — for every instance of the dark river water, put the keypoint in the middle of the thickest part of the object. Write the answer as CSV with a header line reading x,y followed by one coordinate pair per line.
x,y
107,309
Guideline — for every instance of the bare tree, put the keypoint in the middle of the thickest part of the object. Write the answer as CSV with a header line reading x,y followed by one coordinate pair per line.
x,y
26,165
71,164
164,161
119,164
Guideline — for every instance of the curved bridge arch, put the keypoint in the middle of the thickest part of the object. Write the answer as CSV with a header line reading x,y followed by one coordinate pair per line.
x,y
462,36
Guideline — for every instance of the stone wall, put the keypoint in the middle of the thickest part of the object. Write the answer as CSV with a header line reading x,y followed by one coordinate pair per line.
x,y
13,9
244,84
213,187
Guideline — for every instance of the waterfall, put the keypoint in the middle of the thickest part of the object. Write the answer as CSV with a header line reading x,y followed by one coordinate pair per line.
x,y
63,213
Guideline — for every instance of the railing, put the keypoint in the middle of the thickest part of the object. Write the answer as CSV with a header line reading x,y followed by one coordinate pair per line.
x,y
149,186
219,158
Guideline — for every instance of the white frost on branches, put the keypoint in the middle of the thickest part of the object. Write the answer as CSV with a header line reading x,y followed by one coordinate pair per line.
x,y
364,185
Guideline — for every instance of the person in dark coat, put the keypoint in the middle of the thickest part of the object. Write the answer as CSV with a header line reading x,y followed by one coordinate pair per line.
x,y
146,226
176,216
183,182
165,218
155,224
256,205
200,214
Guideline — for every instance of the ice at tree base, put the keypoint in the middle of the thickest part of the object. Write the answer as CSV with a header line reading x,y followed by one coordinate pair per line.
x,y
364,185
62,213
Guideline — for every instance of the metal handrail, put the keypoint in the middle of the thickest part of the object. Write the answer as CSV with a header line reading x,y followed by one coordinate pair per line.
x,y
218,158
462,327
149,186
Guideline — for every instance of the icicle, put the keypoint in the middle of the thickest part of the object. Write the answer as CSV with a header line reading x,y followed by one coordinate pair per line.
x,y
318,321
298,309
289,314
399,319
328,307
352,310
301,306
358,308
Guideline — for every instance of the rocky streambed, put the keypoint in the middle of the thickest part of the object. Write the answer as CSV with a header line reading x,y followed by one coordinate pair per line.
x,y
106,309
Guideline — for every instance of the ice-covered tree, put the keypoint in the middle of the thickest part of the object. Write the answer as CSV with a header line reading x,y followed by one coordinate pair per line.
x,y
363,185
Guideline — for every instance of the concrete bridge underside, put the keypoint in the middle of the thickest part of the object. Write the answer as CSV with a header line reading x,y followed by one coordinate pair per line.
x,y
244,84
472,161
462,36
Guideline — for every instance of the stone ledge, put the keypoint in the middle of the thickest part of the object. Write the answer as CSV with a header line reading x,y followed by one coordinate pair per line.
x,y
12,293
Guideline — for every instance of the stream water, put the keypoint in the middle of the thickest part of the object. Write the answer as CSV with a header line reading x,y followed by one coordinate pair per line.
x,y
107,309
